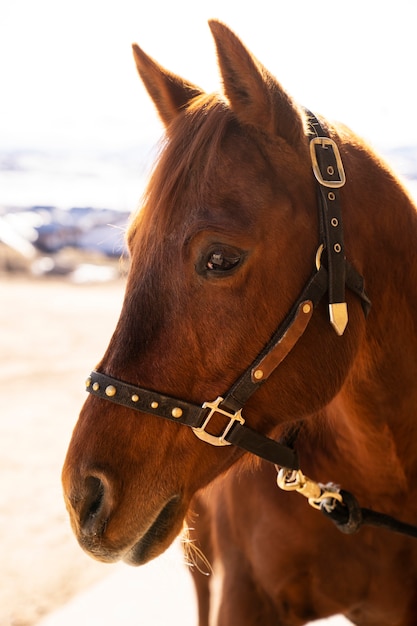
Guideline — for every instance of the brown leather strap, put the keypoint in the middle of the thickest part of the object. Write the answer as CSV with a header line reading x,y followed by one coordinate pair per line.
x,y
285,344
188,414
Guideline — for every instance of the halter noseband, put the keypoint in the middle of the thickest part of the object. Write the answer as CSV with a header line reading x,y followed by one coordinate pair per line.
x,y
330,176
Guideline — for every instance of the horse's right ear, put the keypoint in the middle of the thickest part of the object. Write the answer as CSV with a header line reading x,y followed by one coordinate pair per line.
x,y
169,92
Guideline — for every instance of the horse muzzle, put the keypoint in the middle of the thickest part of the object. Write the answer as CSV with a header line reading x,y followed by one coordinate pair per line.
x,y
106,531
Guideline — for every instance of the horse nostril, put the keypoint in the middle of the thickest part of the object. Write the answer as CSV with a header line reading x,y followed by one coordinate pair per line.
x,y
93,516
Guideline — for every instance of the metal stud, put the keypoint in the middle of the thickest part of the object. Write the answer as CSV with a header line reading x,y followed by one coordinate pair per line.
x,y
96,386
135,397
306,308
176,412
258,374
154,405
88,382
110,391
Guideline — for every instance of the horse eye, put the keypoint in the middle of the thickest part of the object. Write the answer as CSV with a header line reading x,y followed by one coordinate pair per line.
x,y
222,260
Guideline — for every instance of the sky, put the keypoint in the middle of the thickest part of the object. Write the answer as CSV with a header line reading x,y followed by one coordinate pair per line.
x,y
68,80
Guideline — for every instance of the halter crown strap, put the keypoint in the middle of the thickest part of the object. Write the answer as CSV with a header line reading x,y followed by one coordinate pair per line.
x,y
330,175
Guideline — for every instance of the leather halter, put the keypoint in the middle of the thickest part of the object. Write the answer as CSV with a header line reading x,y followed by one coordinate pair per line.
x,y
330,176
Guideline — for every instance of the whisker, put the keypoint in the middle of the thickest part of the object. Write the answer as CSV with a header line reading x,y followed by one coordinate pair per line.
x,y
193,555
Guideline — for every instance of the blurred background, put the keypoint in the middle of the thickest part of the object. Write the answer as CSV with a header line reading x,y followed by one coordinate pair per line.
x,y
77,140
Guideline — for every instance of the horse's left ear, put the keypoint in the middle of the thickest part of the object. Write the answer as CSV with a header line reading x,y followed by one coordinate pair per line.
x,y
254,94
169,92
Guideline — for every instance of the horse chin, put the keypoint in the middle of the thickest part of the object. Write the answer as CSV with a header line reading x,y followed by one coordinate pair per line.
x,y
160,535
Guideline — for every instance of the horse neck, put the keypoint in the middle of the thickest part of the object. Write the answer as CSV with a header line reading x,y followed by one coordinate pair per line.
x,y
373,418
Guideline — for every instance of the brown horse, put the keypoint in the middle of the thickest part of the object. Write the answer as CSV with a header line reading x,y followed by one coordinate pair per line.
x,y
226,241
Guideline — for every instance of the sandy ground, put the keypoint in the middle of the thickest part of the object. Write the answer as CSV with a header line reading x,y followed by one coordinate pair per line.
x,y
52,333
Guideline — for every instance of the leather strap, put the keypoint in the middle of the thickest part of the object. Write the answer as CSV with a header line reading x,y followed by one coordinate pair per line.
x,y
330,176
349,517
313,292
188,414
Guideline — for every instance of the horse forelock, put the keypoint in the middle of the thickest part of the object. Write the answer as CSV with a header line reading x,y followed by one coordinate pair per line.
x,y
192,160
188,158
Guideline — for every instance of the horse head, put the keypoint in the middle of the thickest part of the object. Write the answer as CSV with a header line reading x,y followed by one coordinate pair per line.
x,y
223,245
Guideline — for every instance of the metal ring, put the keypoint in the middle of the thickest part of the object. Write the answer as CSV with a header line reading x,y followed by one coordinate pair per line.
x,y
318,256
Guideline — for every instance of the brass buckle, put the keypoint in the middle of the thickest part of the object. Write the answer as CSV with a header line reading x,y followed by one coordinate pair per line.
x,y
217,440
325,142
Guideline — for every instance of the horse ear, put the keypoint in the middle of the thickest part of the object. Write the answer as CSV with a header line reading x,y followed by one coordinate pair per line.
x,y
254,94
169,92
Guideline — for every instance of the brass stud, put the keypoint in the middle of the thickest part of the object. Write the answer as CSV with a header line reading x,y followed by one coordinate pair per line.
x,y
96,386
135,397
176,412
306,307
258,374
154,405
88,382
110,391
